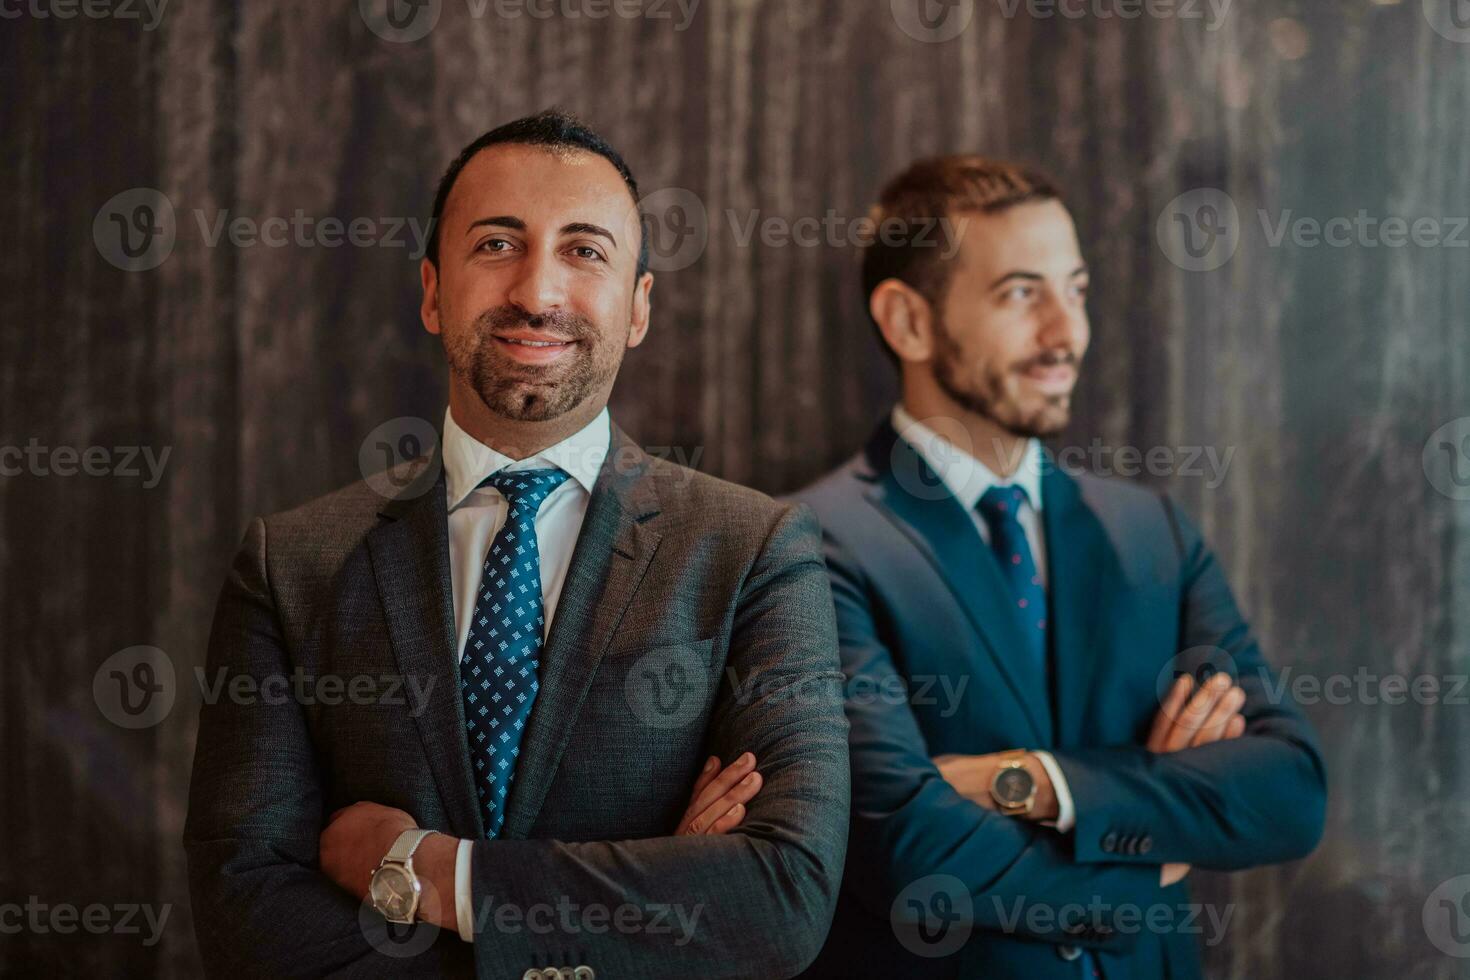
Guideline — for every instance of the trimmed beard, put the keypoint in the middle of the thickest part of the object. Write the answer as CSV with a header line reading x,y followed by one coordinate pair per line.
x,y
988,399
533,392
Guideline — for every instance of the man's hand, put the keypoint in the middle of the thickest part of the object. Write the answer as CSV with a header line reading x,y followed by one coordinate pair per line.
x,y
1171,874
1210,715
356,839
717,804
971,775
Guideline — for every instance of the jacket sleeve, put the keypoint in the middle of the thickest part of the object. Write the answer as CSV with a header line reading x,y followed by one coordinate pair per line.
x,y
261,906
756,902
1253,800
914,834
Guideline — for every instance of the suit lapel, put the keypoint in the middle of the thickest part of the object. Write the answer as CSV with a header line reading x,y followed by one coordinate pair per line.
x,y
1078,557
612,553
410,559
911,494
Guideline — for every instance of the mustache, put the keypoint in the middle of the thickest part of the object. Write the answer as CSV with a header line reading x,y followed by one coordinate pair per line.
x,y
564,324
1047,358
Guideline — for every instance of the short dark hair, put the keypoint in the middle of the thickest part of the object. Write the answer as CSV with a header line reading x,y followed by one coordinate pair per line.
x,y
550,128
929,191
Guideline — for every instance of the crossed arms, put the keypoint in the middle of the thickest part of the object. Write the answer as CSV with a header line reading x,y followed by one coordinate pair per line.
x,y
1206,787
265,905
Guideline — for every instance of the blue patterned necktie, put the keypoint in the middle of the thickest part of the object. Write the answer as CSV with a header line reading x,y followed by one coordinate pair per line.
x,y
497,674
1001,508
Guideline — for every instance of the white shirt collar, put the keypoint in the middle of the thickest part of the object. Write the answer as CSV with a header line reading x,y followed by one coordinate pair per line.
x,y
962,474
468,461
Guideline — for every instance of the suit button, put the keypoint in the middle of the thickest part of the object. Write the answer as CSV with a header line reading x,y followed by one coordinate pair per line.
x,y
1068,953
1110,842
531,974
1133,845
583,973
1145,845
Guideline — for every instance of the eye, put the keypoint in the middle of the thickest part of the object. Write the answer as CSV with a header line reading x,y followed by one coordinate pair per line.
x,y
1020,291
493,245
1080,290
587,252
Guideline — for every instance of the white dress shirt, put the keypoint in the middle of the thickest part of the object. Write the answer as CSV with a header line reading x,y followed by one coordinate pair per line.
x,y
476,515
967,479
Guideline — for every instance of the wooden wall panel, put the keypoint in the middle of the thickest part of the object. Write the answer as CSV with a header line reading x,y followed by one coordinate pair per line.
x,y
1322,370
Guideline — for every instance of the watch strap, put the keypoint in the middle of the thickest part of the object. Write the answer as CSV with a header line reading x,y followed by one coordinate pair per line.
x,y
405,845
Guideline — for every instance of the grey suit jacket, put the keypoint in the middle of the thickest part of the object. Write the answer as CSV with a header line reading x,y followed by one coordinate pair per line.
x,y
696,619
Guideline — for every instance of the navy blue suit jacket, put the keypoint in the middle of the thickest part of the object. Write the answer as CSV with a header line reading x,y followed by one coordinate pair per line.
x,y
1133,592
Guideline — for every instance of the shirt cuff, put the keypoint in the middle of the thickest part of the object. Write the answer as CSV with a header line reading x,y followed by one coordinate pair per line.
x,y
463,914
1066,811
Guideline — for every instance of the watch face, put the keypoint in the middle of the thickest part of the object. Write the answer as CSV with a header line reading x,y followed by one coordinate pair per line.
x,y
1013,786
392,891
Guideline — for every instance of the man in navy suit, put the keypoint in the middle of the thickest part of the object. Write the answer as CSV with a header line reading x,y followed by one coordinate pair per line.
x,y
1056,706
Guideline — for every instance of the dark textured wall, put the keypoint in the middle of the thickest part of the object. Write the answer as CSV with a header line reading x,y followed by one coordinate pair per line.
x,y
1321,369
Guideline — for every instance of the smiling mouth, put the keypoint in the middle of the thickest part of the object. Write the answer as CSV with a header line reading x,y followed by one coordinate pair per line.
x,y
532,350
535,343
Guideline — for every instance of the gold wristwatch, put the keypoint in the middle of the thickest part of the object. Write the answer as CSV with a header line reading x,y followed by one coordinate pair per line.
x,y
1012,787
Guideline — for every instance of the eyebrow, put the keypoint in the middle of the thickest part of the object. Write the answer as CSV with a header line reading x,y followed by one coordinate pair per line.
x,y
586,228
511,221
499,221
1034,276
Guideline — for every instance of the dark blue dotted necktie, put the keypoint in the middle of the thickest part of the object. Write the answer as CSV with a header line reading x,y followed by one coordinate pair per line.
x,y
1001,508
497,674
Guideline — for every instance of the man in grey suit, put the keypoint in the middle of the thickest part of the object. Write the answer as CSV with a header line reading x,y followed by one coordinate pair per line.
x,y
582,633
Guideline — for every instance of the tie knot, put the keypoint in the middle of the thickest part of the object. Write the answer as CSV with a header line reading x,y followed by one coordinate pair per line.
x,y
526,487
1003,503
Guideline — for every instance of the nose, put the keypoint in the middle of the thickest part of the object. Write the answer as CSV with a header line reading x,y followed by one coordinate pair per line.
x,y
1063,324
538,285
